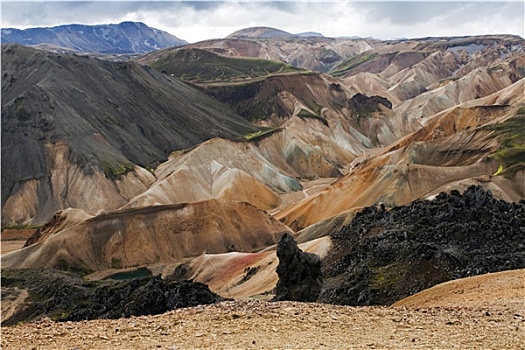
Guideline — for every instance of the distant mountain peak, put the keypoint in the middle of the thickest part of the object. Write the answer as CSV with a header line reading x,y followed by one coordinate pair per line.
x,y
259,32
310,34
123,38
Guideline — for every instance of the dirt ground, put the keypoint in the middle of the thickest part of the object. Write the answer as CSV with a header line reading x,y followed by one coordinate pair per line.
x,y
498,323
13,239
12,245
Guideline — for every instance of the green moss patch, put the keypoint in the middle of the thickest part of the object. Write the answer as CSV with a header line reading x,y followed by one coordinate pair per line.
x,y
260,134
303,113
511,152
114,171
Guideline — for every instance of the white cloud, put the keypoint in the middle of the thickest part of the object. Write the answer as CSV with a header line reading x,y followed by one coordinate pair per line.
x,y
200,20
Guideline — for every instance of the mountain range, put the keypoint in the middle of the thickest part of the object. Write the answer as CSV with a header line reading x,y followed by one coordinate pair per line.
x,y
190,160
122,38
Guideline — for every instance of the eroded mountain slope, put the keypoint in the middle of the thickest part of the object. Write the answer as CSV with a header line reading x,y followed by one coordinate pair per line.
x,y
271,98
315,127
78,132
152,235
200,66
315,53
453,147
422,77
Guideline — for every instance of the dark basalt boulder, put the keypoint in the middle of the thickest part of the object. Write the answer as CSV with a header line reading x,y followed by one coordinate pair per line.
x,y
383,256
300,276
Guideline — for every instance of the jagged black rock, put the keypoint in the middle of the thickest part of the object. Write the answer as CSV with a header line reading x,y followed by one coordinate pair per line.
x,y
385,255
300,276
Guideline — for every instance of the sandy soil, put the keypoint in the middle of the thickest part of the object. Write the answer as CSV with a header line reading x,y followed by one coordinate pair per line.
x,y
310,188
506,288
11,245
13,239
263,325
498,324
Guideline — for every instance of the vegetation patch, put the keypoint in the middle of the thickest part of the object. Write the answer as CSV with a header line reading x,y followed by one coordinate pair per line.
x,y
114,171
511,152
315,106
305,114
181,152
351,63
260,134
201,66
151,168
116,263
21,227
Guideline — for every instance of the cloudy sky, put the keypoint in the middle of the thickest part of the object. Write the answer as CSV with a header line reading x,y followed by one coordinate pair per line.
x,y
200,20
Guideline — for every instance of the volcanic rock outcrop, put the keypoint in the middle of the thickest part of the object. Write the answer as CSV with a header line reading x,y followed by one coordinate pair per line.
x,y
386,255
300,276
66,297
242,275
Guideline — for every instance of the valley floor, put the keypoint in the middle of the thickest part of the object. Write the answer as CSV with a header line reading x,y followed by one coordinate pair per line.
x,y
262,325
494,323
481,312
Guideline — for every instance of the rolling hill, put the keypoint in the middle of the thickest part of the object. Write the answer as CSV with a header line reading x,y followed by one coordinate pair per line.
x,y
205,67
152,235
307,52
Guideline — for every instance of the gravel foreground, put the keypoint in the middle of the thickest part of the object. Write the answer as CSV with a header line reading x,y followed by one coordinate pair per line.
x,y
283,325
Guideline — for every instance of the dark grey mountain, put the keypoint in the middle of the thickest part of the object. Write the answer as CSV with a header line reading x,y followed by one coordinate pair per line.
x,y
109,115
123,38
